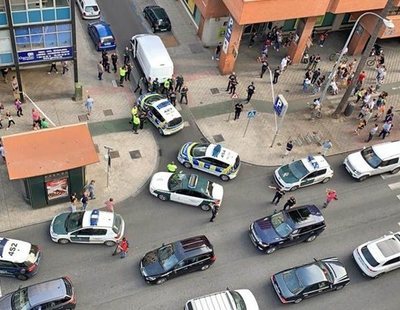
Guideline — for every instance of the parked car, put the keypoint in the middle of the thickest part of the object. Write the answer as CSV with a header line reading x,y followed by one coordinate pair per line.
x,y
177,258
102,36
294,284
189,189
379,256
89,9
18,259
304,172
227,300
157,18
286,228
373,160
58,294
87,227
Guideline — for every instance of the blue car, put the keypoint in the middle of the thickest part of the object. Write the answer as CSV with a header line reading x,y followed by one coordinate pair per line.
x,y
102,36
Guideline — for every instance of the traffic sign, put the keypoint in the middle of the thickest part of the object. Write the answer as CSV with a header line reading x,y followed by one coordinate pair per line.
x,y
280,105
234,96
251,114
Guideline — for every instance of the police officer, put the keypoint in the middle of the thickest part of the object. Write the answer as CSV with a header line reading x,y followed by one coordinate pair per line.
x,y
290,203
279,193
156,85
184,91
172,98
250,91
165,87
214,211
135,123
142,117
171,167
231,78
122,73
179,83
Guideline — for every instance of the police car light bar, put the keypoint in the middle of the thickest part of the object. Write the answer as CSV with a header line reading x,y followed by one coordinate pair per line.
x,y
94,217
312,161
217,150
193,181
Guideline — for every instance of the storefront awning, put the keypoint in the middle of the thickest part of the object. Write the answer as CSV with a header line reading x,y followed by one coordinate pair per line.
x,y
48,151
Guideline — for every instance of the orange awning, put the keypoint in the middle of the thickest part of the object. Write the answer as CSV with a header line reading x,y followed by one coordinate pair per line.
x,y
48,151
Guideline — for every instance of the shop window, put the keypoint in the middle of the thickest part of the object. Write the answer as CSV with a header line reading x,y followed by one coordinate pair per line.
x,y
63,13
49,29
64,27
48,3
23,43
64,39
21,31
18,5
37,41
34,16
49,14
35,29
62,3
2,6
50,40
33,4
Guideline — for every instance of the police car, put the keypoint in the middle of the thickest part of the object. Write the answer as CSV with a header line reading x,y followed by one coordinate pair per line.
x,y
161,113
18,259
304,172
87,227
210,158
189,189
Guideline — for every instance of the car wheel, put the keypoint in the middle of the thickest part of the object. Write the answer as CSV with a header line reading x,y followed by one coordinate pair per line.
x,y
224,177
394,171
205,207
22,277
161,131
109,243
363,178
205,267
377,276
161,280
162,197
298,300
63,241
338,288
325,180
270,250
311,238
294,188
187,165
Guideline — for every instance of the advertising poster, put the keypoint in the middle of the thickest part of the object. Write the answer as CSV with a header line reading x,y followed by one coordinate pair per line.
x,y
57,188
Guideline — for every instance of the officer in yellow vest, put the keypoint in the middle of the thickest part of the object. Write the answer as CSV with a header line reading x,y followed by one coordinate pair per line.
x,y
171,167
122,73
166,85
135,123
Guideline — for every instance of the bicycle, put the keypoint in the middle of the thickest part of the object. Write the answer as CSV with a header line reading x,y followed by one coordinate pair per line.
x,y
335,57
315,112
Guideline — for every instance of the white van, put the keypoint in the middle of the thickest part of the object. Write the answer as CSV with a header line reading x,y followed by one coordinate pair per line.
x,y
152,56
226,300
89,9
373,160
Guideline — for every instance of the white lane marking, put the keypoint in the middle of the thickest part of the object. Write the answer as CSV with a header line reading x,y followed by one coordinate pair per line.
x,y
186,124
389,175
398,197
394,186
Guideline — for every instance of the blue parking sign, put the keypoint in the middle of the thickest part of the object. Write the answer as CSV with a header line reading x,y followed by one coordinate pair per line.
x,y
280,105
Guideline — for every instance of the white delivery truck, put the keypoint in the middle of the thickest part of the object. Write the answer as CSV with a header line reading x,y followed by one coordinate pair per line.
x,y
152,57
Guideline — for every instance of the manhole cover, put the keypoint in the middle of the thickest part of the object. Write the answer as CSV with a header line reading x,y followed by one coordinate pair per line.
x,y
218,138
287,90
169,40
214,91
108,112
96,147
83,118
114,154
196,48
135,154
279,144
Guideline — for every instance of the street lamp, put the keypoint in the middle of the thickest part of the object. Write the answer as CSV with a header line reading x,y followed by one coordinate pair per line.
x,y
273,100
387,22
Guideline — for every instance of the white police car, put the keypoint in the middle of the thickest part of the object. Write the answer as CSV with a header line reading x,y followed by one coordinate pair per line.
x,y
161,113
303,172
87,227
210,158
189,189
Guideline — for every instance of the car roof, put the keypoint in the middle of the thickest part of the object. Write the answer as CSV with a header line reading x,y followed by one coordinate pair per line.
x,y
103,29
195,182
151,44
315,162
387,247
305,215
97,218
387,149
47,291
193,246
310,274
223,154
19,255
165,107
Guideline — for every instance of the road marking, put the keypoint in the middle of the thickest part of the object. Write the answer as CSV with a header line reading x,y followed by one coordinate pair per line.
x,y
114,83
398,197
186,124
394,186
388,176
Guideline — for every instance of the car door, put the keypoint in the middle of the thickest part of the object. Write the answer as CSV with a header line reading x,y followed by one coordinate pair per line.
x,y
308,179
386,166
7,269
184,196
392,264
181,268
207,164
81,235
319,175
98,235
316,289
292,239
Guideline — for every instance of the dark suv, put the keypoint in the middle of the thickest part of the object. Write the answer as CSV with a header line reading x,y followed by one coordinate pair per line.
x,y
157,17
286,228
177,258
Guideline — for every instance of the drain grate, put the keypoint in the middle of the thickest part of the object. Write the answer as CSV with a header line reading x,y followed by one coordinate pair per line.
x,y
214,91
83,118
218,138
108,112
135,154
196,48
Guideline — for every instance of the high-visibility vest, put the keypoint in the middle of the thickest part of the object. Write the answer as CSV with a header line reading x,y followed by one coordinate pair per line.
x,y
122,71
166,84
134,110
171,167
136,120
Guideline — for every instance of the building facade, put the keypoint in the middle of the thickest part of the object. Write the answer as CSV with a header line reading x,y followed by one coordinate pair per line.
x,y
229,20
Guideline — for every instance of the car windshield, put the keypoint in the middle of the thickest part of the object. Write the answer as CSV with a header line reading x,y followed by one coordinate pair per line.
x,y
20,300
149,100
166,256
91,9
370,157
238,299
281,225
117,223
175,122
292,281
74,221
175,181
293,172
199,150
368,256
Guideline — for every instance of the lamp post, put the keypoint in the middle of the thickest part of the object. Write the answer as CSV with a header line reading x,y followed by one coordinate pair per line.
x,y
388,23
273,100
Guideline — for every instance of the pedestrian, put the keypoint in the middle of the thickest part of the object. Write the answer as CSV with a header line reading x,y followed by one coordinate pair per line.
x,y
53,66
72,202
122,73
126,55
310,61
4,72
372,132
165,88
315,62
277,73
315,75
288,149
44,123
217,51
172,82
232,89
18,107
104,58
89,104
10,119
184,92
306,84
65,67
14,85
361,78
91,189
330,195
135,123
139,85
100,71
290,203
84,201
264,68
156,85
279,193
322,38
250,91
214,211
284,63
172,98
114,60
122,248
35,117
134,110
232,77
387,126
179,83
238,110
360,126
142,118
389,117
109,205
128,72
326,146
171,167
252,39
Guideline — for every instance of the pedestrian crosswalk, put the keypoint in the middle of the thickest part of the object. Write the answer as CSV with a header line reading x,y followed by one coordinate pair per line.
x,y
394,186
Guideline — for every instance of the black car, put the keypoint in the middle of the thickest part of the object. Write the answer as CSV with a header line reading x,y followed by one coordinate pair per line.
x,y
286,228
58,294
157,18
294,284
177,258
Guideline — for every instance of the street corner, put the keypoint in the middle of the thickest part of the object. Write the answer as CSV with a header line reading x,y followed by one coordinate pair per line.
x,y
134,158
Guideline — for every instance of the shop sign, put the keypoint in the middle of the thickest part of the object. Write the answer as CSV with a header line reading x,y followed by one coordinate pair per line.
x,y
228,35
56,185
60,53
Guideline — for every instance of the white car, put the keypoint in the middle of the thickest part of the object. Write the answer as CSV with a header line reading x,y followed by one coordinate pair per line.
x,y
87,227
189,189
379,256
303,172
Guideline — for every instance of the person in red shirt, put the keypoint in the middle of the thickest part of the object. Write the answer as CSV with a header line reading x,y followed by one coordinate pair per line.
x,y
361,77
330,195
123,247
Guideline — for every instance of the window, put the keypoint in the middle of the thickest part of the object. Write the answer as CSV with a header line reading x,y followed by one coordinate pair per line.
x,y
84,232
34,4
62,3
18,5
4,264
183,192
99,232
392,261
2,6
389,162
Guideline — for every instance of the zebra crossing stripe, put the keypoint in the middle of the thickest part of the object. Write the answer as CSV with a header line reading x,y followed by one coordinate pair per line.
x,y
394,186
389,175
398,197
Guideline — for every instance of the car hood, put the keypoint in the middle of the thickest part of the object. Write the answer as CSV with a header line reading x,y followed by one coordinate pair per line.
x,y
337,269
159,181
151,265
249,299
285,292
5,302
264,230
358,163
58,224
217,191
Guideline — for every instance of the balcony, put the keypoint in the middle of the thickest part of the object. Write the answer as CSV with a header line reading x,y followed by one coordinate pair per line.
x,y
348,6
